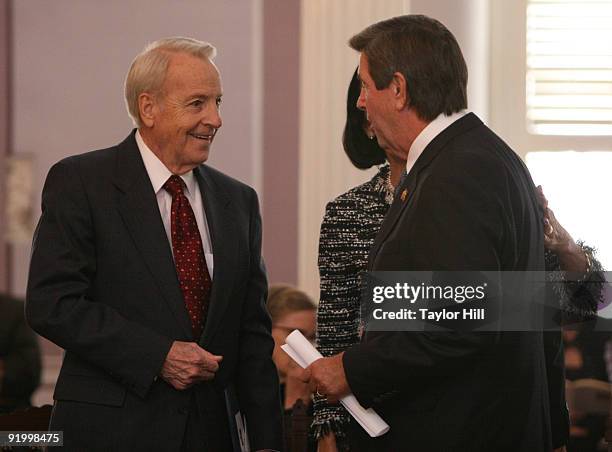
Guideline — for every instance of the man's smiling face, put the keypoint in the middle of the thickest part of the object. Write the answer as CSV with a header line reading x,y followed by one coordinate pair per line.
x,y
186,114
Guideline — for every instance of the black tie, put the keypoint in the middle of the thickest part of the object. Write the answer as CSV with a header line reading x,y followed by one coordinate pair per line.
x,y
400,183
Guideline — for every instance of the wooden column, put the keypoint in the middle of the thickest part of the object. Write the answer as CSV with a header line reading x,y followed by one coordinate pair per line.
x,y
281,90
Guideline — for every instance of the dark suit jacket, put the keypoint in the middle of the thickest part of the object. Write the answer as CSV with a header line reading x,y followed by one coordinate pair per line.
x,y
103,286
471,205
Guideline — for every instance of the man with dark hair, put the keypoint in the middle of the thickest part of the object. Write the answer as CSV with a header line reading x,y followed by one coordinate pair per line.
x,y
467,204
428,57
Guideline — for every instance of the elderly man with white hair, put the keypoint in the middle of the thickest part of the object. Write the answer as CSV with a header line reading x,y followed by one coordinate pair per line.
x,y
146,268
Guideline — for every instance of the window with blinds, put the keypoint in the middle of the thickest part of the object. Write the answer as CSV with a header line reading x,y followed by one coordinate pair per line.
x,y
569,67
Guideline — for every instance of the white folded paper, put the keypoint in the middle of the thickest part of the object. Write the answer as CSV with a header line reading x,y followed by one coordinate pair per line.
x,y
303,353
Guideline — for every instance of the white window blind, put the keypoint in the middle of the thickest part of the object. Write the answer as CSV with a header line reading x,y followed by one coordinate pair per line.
x,y
569,67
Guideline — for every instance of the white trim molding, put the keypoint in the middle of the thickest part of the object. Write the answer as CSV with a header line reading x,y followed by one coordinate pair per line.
x,y
326,66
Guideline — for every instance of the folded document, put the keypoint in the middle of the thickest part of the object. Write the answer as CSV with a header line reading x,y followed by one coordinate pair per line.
x,y
303,353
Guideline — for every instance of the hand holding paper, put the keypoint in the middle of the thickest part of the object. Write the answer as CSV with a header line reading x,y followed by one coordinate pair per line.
x,y
326,376
303,353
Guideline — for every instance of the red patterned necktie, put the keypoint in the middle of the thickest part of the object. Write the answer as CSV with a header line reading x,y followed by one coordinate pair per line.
x,y
189,257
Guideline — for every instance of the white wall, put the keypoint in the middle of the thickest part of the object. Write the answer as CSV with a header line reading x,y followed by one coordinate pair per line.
x,y
468,20
327,64
70,60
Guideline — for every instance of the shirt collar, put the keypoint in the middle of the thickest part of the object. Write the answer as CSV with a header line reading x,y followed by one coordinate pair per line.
x,y
433,129
157,171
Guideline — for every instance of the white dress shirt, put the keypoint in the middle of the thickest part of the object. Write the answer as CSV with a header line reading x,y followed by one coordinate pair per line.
x,y
158,175
433,129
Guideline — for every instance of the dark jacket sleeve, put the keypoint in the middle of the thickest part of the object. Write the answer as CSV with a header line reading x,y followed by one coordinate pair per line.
x,y
258,379
59,304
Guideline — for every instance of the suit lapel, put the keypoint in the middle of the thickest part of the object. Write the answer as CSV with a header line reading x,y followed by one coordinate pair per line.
x,y
400,203
219,217
392,216
140,212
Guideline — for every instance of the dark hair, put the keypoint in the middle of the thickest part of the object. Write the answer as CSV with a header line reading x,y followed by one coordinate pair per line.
x,y
361,150
284,299
426,53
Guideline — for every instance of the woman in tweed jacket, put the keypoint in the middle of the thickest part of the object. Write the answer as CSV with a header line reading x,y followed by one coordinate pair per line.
x,y
349,227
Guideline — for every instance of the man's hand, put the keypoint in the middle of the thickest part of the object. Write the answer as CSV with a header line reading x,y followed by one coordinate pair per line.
x,y
187,363
327,378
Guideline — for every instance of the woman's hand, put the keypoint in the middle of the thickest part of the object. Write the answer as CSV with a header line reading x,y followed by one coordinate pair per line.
x,y
556,238
327,443
560,242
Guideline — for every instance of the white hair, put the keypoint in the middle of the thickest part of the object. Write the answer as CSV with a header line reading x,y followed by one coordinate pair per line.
x,y
148,70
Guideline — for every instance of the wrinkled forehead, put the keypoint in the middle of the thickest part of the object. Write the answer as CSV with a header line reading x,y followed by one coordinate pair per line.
x,y
184,62
189,70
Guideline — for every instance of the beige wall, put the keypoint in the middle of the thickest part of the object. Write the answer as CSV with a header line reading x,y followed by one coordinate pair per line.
x,y
281,37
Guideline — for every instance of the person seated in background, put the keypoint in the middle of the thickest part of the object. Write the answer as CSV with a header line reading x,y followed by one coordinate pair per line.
x,y
290,309
19,357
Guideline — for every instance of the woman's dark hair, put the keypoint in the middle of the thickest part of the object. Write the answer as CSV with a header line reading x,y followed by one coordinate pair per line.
x,y
362,151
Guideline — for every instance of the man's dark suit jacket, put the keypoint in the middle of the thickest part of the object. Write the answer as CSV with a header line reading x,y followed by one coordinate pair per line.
x,y
103,286
471,205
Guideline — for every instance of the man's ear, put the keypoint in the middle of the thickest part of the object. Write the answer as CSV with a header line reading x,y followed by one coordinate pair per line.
x,y
399,89
147,107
